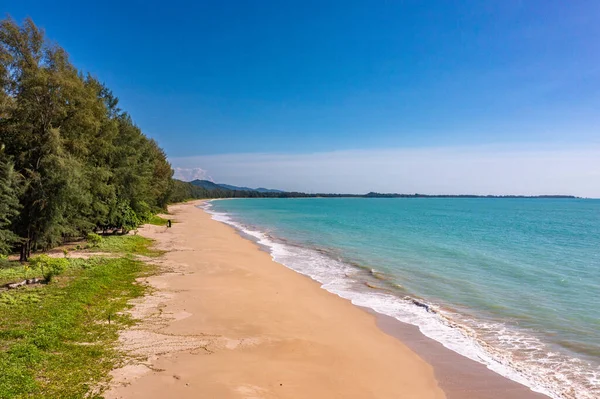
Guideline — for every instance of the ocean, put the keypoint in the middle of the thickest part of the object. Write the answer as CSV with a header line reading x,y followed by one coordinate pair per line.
x,y
511,283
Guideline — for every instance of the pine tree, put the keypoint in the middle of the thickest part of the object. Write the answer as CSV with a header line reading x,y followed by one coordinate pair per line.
x,y
9,203
82,162
32,131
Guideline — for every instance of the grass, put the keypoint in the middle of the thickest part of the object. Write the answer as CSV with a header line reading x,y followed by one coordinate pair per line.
x,y
15,271
129,244
157,221
55,340
12,271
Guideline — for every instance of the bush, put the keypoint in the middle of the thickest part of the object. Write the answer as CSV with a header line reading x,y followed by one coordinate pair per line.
x,y
50,266
124,217
94,239
143,213
130,220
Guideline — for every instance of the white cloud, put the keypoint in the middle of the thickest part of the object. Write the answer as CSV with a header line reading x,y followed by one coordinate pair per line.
x,y
189,174
444,170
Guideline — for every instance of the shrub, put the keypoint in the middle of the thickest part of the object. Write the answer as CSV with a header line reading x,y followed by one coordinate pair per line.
x,y
143,213
125,218
3,261
50,266
130,220
94,239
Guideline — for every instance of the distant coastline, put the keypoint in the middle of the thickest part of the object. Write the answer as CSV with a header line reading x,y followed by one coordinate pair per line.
x,y
199,189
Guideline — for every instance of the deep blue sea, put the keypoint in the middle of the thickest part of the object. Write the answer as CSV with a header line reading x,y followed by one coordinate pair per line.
x,y
511,283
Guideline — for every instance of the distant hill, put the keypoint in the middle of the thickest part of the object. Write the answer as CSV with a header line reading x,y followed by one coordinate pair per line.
x,y
206,189
214,186
206,184
268,190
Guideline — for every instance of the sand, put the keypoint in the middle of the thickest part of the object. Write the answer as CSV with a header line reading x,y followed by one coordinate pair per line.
x,y
225,321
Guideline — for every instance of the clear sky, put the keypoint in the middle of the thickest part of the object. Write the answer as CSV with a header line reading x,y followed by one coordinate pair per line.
x,y
457,87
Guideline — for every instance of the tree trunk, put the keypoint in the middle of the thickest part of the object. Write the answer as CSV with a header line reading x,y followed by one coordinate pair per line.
x,y
24,252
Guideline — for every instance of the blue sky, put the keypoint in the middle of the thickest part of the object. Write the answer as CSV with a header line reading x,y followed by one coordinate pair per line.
x,y
215,78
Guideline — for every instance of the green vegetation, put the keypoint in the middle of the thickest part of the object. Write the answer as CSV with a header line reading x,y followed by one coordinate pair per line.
x,y
9,202
94,239
71,161
184,191
57,340
11,272
129,244
157,221
42,266
202,189
48,266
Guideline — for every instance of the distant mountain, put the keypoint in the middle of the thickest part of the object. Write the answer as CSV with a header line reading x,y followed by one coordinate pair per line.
x,y
206,184
214,186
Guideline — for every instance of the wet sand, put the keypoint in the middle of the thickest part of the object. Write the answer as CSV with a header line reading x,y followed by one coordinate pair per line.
x,y
225,321
458,376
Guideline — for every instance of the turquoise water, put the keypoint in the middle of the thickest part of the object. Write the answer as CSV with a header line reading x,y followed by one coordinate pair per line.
x,y
512,283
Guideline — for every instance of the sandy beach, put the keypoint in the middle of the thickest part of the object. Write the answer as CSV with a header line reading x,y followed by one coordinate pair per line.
x,y
226,321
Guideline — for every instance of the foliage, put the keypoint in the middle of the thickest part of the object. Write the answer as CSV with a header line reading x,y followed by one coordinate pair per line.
x,y
9,202
55,341
94,239
13,271
129,244
49,266
124,217
157,221
184,191
72,161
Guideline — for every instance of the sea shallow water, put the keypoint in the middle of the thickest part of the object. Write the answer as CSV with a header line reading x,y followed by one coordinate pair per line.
x,y
511,283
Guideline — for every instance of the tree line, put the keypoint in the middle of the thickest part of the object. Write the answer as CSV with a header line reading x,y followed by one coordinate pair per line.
x,y
71,161
183,191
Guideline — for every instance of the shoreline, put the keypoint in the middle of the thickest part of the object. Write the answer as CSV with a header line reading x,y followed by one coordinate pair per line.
x,y
224,320
450,366
458,376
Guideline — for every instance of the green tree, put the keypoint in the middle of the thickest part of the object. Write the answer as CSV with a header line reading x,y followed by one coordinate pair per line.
x,y
82,162
42,103
9,203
